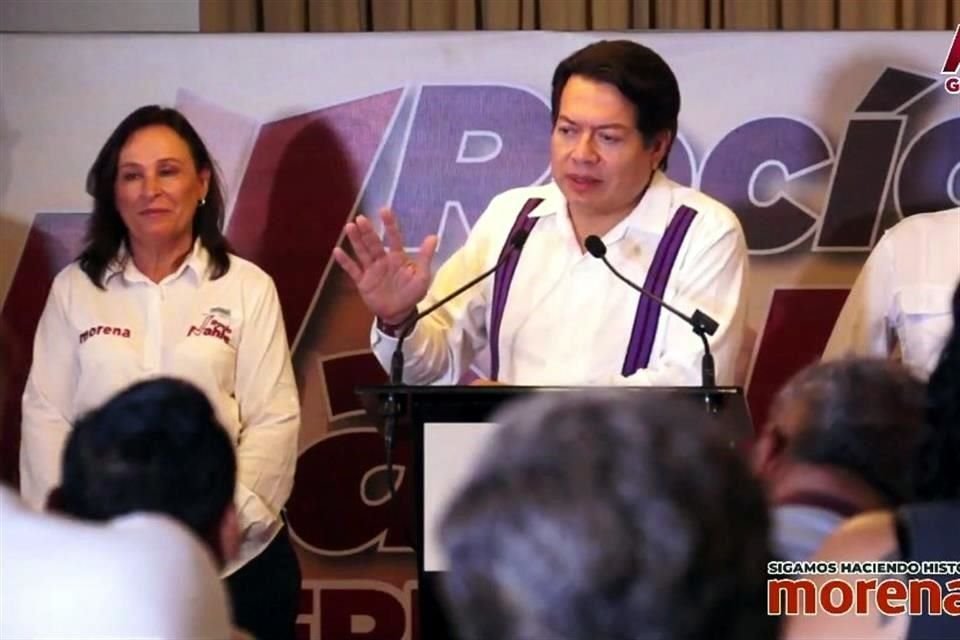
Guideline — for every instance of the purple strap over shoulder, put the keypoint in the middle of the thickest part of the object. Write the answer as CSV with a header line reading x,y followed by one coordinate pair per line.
x,y
648,312
503,278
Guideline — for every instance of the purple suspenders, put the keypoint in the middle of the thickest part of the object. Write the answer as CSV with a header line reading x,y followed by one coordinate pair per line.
x,y
502,279
648,313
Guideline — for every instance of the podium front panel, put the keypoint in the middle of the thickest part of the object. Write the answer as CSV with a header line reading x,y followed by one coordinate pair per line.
x,y
450,451
449,428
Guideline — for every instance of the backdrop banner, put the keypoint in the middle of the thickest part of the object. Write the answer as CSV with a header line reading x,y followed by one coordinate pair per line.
x,y
818,141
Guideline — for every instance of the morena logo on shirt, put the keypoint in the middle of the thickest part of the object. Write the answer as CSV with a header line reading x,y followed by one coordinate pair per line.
x,y
104,331
212,327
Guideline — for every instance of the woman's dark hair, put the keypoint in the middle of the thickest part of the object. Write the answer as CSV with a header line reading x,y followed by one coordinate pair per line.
x,y
106,231
639,73
939,474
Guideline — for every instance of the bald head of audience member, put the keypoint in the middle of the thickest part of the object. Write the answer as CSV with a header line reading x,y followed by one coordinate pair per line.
x,y
155,447
592,516
847,428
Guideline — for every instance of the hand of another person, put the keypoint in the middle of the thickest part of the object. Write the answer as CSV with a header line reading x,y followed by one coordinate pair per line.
x,y
390,283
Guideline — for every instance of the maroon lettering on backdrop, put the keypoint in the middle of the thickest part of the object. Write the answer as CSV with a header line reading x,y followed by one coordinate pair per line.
x,y
381,616
357,610
343,374
795,333
53,242
340,504
301,185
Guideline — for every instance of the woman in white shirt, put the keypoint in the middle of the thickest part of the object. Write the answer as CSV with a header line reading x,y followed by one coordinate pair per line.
x,y
156,292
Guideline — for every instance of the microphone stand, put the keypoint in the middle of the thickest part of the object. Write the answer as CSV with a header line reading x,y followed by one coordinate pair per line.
x,y
702,324
391,407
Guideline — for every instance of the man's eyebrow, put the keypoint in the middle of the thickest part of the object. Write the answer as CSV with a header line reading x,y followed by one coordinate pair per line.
x,y
610,125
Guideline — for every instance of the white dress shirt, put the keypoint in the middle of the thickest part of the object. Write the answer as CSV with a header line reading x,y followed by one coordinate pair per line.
x,y
902,297
224,335
140,576
568,320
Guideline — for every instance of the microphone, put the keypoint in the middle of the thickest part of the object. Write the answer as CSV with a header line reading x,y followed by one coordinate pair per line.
x,y
702,324
515,244
391,409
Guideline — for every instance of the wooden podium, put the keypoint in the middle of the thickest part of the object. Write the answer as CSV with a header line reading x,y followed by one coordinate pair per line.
x,y
448,425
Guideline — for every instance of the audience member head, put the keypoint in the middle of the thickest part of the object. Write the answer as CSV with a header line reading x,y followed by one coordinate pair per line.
x,y
593,516
861,416
155,447
938,474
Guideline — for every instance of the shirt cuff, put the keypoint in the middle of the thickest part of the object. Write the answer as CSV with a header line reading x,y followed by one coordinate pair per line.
x,y
393,330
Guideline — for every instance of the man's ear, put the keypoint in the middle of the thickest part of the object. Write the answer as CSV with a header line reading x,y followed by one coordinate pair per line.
x,y
660,146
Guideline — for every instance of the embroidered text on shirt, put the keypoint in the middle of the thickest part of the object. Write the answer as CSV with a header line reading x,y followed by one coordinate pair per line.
x,y
104,331
211,327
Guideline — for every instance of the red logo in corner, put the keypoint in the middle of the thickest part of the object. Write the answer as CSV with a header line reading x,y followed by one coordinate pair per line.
x,y
952,64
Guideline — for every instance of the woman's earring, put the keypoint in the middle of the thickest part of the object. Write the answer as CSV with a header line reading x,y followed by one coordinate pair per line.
x,y
203,201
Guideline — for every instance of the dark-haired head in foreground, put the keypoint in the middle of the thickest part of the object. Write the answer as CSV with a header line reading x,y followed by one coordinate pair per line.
x,y
155,447
594,517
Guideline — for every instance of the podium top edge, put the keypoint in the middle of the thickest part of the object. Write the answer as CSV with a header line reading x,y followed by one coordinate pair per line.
x,y
500,389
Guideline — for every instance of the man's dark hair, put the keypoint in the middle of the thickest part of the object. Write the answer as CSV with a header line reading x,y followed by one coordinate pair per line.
x,y
937,469
106,232
593,516
156,447
863,415
639,73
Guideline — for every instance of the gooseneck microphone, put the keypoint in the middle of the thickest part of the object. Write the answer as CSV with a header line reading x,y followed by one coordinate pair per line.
x,y
391,409
702,324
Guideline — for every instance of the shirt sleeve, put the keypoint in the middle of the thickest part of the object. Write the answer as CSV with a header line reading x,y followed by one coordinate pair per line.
x,y
48,401
714,278
442,346
269,416
863,327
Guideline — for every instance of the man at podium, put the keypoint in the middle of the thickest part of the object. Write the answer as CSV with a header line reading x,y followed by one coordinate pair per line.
x,y
551,313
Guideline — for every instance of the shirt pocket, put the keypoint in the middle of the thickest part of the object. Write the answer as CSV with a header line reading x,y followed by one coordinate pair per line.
x,y
923,322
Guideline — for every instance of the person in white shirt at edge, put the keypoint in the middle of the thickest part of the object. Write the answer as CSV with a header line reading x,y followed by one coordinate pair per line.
x,y
157,293
139,576
900,302
154,447
567,319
